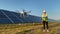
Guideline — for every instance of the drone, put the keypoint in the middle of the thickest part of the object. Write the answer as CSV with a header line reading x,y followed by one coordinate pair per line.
x,y
24,13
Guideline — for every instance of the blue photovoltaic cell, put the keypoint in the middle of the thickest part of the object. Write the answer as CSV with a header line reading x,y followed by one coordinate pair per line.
x,y
7,17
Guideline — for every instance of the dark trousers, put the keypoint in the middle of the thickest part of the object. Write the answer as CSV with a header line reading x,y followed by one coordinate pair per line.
x,y
45,23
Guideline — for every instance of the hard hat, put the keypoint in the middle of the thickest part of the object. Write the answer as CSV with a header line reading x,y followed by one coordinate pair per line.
x,y
44,11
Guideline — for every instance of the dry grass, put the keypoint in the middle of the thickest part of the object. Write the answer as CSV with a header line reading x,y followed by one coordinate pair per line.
x,y
30,28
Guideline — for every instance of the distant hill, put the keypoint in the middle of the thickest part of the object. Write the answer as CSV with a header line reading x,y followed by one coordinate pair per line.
x,y
57,20
52,20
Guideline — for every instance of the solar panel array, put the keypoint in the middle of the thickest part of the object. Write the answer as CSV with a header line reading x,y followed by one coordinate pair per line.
x,y
7,17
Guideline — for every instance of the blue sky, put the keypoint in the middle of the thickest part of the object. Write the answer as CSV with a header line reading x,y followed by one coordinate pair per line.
x,y
36,6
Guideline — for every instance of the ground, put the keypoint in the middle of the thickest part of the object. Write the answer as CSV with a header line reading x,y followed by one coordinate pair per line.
x,y
31,28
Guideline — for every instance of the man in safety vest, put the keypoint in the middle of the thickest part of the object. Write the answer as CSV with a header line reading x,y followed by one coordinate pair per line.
x,y
45,20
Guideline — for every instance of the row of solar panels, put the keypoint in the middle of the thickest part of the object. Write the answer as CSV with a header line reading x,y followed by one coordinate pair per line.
x,y
13,17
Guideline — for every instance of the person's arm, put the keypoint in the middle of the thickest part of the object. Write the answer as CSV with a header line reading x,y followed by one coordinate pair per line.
x,y
46,17
42,17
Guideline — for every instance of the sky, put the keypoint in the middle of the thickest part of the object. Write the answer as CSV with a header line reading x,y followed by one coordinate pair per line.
x,y
36,7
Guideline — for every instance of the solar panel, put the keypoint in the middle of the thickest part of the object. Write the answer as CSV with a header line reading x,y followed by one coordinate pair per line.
x,y
13,17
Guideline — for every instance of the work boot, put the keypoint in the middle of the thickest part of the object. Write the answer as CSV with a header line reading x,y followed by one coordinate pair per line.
x,y
47,30
43,30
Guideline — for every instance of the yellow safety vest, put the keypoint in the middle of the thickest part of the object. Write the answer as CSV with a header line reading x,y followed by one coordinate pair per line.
x,y
44,17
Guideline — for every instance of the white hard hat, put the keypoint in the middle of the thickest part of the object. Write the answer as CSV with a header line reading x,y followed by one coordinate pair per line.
x,y
44,11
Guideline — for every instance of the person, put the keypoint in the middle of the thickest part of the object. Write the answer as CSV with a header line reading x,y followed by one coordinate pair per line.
x,y
45,20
